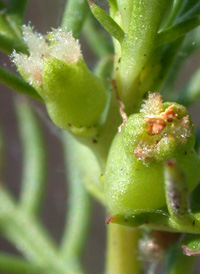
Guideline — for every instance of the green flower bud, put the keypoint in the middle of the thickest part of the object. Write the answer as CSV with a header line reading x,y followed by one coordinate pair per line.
x,y
74,97
134,178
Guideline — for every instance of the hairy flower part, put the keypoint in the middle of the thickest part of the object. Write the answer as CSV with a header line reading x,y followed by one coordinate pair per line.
x,y
59,44
153,105
144,151
30,65
36,42
169,124
63,46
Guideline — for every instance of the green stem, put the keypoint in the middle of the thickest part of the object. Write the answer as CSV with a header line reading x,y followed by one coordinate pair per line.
x,y
13,264
34,159
19,85
122,254
78,216
74,15
7,44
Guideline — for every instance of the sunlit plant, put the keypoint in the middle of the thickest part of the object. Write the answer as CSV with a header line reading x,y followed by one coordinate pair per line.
x,y
127,136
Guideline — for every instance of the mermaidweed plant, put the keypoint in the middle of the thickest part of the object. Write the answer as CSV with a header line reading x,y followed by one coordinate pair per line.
x,y
123,144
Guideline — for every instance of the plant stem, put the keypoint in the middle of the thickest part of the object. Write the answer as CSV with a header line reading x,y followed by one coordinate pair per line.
x,y
34,159
7,44
14,264
78,216
14,82
122,244
74,15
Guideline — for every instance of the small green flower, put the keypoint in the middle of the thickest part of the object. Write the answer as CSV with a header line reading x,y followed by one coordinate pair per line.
x,y
55,67
134,178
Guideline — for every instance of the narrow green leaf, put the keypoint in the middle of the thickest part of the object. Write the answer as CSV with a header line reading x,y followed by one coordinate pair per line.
x,y
107,22
79,209
155,218
74,15
34,159
178,30
19,85
177,5
190,10
177,194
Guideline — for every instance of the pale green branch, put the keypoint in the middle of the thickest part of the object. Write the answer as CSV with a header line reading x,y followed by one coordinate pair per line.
x,y
17,84
34,159
79,211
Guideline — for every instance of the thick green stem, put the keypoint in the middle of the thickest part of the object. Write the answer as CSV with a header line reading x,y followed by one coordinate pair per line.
x,y
34,159
78,216
14,82
138,47
122,250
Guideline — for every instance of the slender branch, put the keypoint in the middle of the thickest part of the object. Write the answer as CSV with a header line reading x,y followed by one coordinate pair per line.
x,y
13,264
27,234
74,15
13,223
34,160
174,32
122,250
79,211
7,44
18,84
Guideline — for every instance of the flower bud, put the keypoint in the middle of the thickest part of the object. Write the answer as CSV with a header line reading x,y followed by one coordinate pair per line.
x,y
55,67
134,178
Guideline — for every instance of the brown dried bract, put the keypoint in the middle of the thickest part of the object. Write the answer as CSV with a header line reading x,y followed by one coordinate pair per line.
x,y
155,125
169,114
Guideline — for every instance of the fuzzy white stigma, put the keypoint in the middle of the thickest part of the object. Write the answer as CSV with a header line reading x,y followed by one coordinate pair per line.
x,y
59,44
64,46
153,105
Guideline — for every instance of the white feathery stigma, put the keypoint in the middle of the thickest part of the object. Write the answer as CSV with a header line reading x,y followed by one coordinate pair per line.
x,y
59,44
